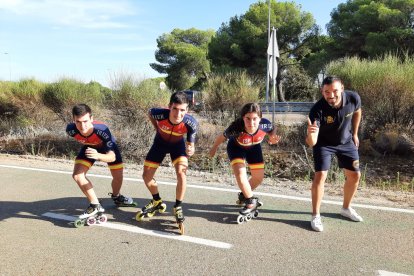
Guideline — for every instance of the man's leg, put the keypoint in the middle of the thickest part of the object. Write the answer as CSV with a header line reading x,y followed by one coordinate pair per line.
x,y
148,177
351,186
79,175
117,179
181,171
318,191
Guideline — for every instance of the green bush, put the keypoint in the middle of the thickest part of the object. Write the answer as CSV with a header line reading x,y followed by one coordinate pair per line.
x,y
132,97
386,87
61,96
230,91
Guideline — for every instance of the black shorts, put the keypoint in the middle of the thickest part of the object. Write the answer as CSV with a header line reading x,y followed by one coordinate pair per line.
x,y
348,157
252,155
116,165
159,150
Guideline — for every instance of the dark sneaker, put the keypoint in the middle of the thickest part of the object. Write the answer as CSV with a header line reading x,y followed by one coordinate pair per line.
x,y
122,200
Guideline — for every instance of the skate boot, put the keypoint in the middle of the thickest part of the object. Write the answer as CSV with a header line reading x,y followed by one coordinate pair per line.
x,y
150,209
249,210
92,215
241,199
123,201
179,217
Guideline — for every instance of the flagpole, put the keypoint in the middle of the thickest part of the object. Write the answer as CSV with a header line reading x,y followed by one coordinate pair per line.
x,y
274,76
267,55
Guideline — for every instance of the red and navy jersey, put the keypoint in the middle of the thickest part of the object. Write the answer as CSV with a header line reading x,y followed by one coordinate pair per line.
x,y
245,139
173,133
100,138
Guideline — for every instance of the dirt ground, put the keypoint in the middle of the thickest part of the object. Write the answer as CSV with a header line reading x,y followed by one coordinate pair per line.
x,y
364,195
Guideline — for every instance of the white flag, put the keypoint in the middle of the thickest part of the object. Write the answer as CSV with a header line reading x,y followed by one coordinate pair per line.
x,y
273,42
273,53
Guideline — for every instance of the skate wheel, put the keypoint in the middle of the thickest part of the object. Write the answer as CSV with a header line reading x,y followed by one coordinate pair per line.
x,y
240,219
248,217
163,208
79,223
150,215
102,219
181,228
91,221
139,216
256,214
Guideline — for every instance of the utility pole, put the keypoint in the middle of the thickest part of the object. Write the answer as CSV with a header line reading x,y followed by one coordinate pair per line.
x,y
267,55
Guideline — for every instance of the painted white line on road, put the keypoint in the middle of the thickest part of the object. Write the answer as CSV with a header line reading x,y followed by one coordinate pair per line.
x,y
388,273
135,229
366,206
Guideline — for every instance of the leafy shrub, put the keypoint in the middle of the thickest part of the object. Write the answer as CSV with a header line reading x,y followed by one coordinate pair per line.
x,y
386,87
230,91
132,97
61,96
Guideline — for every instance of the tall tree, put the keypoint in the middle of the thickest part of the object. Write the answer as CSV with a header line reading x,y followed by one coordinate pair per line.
x,y
242,42
370,28
182,55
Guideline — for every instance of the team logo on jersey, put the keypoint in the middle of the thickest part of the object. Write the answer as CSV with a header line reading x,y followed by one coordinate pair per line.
x,y
109,144
329,120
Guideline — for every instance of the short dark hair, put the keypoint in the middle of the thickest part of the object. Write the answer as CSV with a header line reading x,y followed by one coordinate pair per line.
x,y
179,98
331,79
81,109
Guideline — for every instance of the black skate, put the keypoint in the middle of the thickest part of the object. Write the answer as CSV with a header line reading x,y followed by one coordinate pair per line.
x,y
241,199
92,215
249,210
179,217
151,209
123,201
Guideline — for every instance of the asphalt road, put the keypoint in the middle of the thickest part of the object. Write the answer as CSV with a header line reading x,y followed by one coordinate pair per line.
x,y
35,240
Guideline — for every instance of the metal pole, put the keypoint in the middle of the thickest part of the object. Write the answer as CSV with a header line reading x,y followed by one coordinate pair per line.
x,y
267,55
273,78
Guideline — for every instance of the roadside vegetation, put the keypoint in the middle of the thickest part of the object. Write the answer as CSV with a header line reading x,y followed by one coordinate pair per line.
x,y
369,44
34,116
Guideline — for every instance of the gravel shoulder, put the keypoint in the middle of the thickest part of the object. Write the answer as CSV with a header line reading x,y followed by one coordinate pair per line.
x,y
387,198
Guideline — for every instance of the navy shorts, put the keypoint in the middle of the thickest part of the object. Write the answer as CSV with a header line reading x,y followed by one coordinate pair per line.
x,y
252,155
116,165
159,150
348,157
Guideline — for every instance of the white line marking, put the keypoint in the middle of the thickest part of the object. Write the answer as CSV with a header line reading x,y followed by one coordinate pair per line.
x,y
388,273
136,229
366,206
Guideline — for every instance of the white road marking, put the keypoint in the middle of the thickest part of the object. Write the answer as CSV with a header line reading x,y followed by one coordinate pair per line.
x,y
366,206
388,273
135,229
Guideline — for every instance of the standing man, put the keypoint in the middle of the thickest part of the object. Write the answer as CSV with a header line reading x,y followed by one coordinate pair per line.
x,y
98,145
171,124
333,125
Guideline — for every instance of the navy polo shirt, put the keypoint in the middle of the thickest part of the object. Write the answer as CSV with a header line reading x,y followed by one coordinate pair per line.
x,y
335,125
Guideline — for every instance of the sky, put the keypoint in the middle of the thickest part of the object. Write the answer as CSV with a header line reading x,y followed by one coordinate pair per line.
x,y
98,40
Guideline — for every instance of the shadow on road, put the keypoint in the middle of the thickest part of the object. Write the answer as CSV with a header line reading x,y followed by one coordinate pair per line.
x,y
74,206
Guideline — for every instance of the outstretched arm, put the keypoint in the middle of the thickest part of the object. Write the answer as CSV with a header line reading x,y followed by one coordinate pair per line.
x,y
219,140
